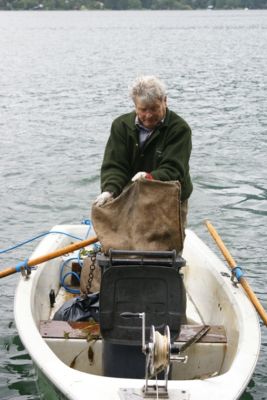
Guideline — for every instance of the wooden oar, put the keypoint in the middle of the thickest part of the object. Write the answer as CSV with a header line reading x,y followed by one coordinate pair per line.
x,y
50,256
253,298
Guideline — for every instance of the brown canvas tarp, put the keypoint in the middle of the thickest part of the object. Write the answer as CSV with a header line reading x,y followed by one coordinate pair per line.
x,y
146,216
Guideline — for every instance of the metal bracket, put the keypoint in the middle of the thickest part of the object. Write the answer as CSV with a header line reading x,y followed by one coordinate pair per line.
x,y
138,394
25,272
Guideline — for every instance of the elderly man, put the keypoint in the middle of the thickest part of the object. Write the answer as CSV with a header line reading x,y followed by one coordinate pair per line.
x,y
151,142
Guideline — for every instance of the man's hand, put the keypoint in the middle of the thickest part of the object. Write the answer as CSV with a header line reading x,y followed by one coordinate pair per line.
x,y
142,175
103,198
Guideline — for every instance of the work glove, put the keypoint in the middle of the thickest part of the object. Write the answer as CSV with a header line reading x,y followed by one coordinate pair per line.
x,y
103,198
142,175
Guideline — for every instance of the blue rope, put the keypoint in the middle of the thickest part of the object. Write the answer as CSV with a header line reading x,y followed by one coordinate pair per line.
x,y
89,223
63,277
37,237
96,248
74,291
84,222
24,264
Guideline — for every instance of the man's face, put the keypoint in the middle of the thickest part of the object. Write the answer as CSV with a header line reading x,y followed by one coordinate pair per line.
x,y
150,114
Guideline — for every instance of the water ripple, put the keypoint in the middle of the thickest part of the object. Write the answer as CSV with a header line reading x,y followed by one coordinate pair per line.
x,y
65,78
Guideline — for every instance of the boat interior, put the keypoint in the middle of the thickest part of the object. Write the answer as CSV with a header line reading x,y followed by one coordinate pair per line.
x,y
202,340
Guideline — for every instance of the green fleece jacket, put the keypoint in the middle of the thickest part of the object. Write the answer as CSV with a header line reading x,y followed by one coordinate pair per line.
x,y
165,155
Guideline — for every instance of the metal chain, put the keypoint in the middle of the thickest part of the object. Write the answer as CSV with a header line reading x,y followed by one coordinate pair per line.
x,y
91,273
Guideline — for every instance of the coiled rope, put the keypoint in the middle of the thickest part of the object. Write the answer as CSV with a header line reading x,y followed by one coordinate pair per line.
x,y
77,257
161,352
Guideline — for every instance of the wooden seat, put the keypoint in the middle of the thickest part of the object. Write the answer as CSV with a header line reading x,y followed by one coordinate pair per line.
x,y
68,329
82,330
205,358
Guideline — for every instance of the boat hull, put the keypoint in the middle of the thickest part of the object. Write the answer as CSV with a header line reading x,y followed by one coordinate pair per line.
x,y
214,301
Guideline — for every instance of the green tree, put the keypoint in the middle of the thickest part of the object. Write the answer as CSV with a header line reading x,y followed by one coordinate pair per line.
x,y
220,4
130,4
233,3
200,3
134,4
169,5
146,3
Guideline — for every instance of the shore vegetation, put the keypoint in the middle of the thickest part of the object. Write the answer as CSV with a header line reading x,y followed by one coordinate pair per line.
x,y
131,4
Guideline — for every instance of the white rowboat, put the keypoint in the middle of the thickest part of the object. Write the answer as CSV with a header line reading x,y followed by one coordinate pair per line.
x,y
215,368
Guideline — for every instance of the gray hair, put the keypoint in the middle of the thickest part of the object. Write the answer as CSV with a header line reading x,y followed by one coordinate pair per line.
x,y
148,89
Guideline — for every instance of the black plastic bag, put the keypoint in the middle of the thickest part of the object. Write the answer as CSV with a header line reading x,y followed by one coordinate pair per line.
x,y
79,309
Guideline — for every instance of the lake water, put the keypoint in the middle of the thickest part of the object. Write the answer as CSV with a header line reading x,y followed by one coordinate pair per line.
x,y
64,76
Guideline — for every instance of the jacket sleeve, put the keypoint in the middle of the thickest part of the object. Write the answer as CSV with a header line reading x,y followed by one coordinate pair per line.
x,y
115,170
173,163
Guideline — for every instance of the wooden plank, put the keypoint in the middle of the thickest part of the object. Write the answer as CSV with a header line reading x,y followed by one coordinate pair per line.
x,y
216,334
87,330
69,329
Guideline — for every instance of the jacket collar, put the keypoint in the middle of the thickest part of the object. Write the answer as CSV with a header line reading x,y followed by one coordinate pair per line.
x,y
134,131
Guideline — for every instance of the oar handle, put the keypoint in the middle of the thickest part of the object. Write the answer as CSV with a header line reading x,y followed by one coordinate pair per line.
x,y
253,298
221,245
50,256
7,271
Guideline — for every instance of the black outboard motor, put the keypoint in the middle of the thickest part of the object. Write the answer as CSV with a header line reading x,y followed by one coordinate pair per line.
x,y
136,282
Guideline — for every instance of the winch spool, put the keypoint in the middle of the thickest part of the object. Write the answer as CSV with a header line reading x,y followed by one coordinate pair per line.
x,y
159,351
159,354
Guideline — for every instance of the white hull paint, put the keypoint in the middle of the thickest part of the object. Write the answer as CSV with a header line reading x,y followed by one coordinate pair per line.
x,y
213,300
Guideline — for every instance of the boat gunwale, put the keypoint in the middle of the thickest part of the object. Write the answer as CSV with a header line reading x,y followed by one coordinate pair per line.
x,y
73,383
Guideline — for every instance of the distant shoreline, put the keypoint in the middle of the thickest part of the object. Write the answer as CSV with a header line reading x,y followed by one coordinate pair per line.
x,y
136,5
131,9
